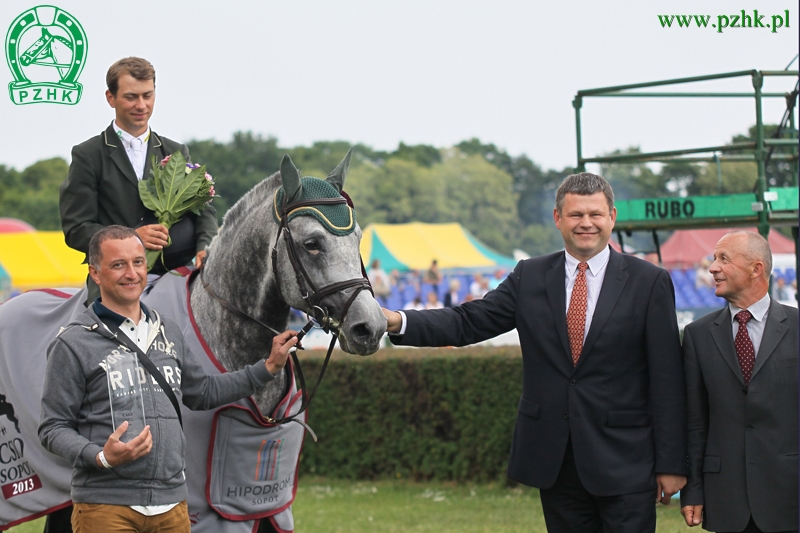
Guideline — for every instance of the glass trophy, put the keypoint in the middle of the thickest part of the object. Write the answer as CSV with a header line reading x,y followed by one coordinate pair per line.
x,y
125,378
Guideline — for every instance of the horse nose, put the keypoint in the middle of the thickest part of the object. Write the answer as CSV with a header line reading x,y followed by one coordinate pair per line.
x,y
361,332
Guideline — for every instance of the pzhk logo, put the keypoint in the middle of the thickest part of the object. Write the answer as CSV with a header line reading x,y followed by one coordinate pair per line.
x,y
46,51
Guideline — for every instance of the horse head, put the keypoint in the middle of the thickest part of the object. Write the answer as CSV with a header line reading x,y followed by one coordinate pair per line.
x,y
290,242
316,257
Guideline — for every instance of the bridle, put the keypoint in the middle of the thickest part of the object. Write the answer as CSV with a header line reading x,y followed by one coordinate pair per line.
x,y
317,313
308,291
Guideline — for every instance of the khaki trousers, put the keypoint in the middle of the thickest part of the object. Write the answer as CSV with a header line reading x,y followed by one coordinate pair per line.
x,y
104,518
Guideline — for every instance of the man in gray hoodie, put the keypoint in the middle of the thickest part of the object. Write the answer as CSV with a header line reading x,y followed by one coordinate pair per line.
x,y
137,485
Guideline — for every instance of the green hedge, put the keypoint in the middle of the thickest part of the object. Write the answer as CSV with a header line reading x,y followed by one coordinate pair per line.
x,y
443,414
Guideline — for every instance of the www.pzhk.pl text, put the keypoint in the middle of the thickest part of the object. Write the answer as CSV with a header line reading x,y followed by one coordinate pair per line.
x,y
739,20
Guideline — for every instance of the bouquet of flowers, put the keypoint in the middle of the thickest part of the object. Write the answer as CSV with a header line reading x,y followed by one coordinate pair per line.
x,y
175,188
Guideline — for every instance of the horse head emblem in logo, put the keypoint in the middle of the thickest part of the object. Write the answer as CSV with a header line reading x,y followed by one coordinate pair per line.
x,y
7,409
46,51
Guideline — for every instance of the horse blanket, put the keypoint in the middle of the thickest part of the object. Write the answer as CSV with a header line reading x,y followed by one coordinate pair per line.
x,y
239,468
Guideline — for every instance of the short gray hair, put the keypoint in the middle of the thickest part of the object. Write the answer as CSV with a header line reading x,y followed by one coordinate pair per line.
x,y
115,232
585,184
756,248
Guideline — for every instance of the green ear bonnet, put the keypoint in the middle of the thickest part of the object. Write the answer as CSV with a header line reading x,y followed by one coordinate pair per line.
x,y
338,219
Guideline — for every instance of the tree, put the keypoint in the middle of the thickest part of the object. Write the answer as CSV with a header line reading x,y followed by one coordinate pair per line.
x,y
535,187
480,197
635,180
778,173
32,195
238,165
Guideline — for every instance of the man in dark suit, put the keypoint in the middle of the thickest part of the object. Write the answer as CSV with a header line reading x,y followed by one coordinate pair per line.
x,y
741,382
102,187
600,424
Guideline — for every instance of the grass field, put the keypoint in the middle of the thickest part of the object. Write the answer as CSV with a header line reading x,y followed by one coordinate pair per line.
x,y
337,506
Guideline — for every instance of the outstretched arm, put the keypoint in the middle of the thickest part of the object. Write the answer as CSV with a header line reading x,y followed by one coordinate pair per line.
x,y
201,391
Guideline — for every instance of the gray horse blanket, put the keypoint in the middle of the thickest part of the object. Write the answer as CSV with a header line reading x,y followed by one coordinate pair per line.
x,y
239,468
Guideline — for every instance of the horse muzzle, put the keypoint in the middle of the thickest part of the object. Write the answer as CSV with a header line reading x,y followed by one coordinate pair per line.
x,y
362,329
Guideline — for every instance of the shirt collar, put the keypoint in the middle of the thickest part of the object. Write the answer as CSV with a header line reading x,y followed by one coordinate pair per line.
x,y
758,309
127,138
110,317
596,263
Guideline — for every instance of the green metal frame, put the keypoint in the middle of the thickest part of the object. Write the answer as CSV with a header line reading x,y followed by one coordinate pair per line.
x,y
764,210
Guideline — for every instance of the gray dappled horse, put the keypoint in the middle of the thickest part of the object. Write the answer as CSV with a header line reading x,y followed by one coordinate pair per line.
x,y
239,269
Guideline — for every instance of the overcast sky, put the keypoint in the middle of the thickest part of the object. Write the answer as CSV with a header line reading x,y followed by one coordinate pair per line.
x,y
432,71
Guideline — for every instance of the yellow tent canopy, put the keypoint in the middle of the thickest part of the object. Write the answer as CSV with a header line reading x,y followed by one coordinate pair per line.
x,y
38,260
413,246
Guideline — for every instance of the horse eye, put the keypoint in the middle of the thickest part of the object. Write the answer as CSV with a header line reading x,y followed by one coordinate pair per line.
x,y
311,245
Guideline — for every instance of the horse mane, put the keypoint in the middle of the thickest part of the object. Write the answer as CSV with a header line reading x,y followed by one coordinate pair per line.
x,y
257,196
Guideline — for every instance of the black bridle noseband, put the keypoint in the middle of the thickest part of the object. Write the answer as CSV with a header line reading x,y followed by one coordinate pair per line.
x,y
315,310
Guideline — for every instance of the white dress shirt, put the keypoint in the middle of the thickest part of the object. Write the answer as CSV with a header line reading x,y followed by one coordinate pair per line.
x,y
594,281
756,325
135,147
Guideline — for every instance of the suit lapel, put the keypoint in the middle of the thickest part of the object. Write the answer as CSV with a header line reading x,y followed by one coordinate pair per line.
x,y
613,284
118,155
557,296
722,333
774,330
153,150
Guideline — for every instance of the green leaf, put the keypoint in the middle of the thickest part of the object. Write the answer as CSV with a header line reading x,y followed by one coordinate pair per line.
x,y
149,195
152,257
174,190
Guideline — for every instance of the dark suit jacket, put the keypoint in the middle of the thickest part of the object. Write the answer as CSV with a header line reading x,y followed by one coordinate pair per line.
x,y
622,406
101,189
742,440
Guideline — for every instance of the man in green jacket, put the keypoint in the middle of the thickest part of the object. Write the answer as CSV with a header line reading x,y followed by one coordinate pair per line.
x,y
102,186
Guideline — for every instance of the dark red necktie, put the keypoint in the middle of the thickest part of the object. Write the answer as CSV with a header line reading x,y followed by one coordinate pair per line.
x,y
576,314
744,346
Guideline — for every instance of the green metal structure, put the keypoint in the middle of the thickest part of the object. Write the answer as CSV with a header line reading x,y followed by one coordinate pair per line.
x,y
763,208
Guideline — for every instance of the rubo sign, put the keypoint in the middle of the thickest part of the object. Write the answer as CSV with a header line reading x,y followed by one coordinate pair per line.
x,y
704,207
46,51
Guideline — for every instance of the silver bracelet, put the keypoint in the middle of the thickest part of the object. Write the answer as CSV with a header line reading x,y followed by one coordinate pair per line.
x,y
102,458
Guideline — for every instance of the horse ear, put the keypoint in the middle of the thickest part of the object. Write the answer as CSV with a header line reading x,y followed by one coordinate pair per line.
x,y
337,175
290,177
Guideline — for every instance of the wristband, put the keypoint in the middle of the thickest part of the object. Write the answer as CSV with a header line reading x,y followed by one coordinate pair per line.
x,y
102,458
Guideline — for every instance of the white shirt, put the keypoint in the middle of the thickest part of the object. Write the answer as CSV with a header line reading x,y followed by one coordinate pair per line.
x,y
135,147
594,281
138,334
756,325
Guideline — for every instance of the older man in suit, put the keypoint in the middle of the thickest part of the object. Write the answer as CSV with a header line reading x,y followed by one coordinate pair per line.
x,y
102,187
600,424
741,382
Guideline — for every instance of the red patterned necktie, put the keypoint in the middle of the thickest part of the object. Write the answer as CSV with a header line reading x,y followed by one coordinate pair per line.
x,y
744,346
576,314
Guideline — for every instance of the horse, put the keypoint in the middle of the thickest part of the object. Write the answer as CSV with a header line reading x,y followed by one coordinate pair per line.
x,y
290,242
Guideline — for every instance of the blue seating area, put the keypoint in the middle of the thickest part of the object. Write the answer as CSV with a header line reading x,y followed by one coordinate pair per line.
x,y
408,288
687,294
